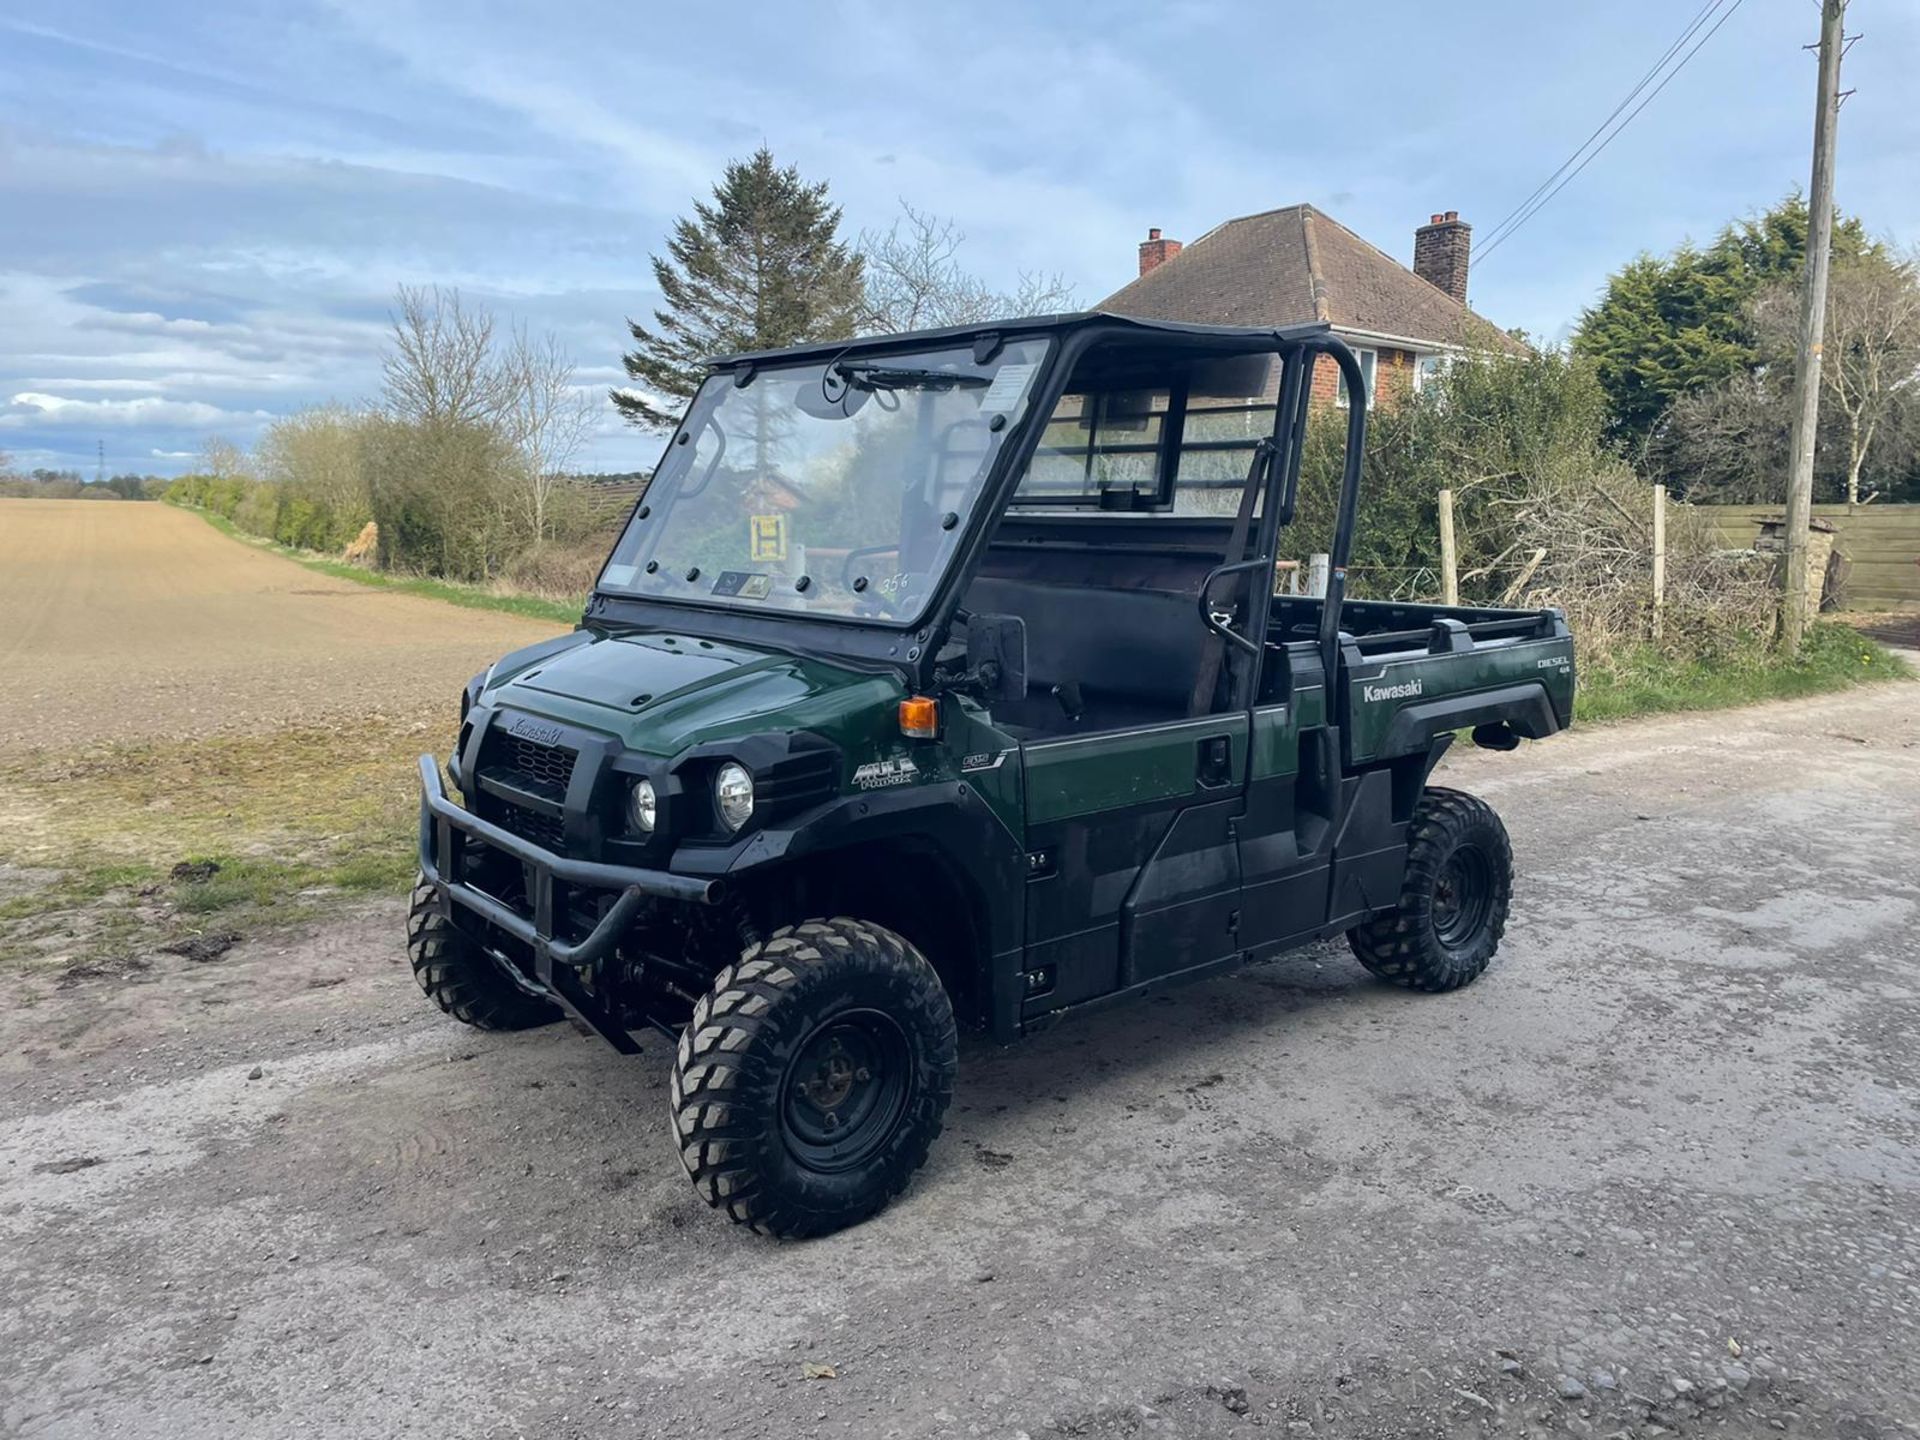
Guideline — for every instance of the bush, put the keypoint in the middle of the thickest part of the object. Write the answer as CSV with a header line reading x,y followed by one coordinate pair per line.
x,y
446,495
258,509
559,571
1545,512
222,494
316,458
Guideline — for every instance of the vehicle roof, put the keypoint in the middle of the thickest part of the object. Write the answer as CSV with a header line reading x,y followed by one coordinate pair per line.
x,y
1027,325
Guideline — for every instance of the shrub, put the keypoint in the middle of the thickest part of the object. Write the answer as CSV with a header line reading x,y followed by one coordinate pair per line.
x,y
558,571
444,494
316,458
1545,512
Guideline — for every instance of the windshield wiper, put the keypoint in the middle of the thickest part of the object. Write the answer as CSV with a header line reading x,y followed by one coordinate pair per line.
x,y
867,376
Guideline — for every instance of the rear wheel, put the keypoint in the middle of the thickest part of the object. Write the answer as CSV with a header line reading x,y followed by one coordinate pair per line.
x,y
812,1079
462,981
1453,902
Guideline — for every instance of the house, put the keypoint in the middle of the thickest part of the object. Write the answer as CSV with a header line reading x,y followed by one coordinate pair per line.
x,y
1297,266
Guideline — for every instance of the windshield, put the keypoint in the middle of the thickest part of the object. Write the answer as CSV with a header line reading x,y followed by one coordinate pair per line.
x,y
835,488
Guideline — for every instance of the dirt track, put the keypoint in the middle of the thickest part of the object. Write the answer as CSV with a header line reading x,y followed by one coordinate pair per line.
x,y
130,621
1682,1110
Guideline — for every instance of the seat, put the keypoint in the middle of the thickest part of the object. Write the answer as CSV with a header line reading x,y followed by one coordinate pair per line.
x,y
1132,653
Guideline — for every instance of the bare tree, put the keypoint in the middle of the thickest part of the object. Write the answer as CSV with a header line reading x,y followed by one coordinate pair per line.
x,y
1042,292
915,280
441,366
449,366
1871,349
1726,445
224,460
547,416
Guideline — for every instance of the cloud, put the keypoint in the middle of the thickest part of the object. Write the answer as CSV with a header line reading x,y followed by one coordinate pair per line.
x,y
29,409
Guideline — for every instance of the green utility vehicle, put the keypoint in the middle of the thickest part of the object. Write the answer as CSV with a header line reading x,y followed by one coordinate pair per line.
x,y
938,680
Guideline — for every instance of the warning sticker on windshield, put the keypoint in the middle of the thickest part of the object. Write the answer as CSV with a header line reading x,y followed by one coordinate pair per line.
x,y
618,575
744,583
1009,387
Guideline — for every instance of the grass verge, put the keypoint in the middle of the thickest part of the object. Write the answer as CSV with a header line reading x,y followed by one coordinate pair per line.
x,y
1644,682
111,852
470,597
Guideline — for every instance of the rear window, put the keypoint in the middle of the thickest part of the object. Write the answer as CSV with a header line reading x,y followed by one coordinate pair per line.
x,y
1182,448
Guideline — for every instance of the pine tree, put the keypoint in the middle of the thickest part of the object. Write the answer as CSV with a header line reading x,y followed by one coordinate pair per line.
x,y
759,268
1674,325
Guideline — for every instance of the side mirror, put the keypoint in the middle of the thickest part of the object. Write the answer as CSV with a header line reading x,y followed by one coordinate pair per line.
x,y
997,655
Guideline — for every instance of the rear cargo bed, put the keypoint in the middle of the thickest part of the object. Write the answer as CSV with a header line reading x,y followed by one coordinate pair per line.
x,y
1411,672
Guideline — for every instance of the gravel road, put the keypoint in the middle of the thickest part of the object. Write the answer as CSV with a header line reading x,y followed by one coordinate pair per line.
x,y
127,621
1659,1170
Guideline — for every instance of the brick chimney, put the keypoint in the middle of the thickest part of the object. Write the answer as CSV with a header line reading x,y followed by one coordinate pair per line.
x,y
1440,250
1155,252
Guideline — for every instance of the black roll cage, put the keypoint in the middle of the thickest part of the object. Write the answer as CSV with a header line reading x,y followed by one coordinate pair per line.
x,y
910,651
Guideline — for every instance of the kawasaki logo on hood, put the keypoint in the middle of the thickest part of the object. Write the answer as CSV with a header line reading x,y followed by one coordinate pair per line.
x,y
1405,690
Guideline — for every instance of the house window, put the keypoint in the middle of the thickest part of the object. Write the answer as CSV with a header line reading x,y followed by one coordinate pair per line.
x,y
1429,368
1368,359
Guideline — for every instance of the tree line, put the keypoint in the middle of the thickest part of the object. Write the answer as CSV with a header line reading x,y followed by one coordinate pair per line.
x,y
1694,351
43,483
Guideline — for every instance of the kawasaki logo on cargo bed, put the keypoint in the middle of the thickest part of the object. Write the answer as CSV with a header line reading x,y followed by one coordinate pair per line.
x,y
1405,690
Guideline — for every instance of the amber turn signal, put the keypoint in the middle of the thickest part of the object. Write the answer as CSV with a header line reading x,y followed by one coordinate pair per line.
x,y
920,717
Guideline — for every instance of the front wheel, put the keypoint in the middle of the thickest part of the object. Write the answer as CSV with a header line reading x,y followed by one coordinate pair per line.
x,y
812,1079
454,974
1453,902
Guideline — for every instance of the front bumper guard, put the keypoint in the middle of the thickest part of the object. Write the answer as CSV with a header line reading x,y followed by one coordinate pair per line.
x,y
445,829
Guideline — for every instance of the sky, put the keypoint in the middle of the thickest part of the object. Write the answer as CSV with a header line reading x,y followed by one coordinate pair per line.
x,y
204,210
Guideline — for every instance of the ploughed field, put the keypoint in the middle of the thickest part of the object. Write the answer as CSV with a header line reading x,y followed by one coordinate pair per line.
x,y
127,621
199,737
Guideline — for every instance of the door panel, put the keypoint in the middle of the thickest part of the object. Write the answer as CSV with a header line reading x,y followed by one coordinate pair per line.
x,y
1184,911
1135,870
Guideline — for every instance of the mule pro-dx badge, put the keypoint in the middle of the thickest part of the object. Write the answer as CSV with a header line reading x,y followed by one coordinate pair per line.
x,y
894,770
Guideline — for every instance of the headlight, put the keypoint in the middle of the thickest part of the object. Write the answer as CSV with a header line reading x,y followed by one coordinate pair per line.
x,y
642,808
733,792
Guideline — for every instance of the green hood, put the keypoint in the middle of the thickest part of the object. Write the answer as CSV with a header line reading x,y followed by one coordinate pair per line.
x,y
661,693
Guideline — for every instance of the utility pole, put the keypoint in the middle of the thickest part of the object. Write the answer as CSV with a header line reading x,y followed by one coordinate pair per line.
x,y
1813,316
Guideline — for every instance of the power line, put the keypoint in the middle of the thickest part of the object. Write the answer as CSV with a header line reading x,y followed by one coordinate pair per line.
x,y
1628,99
1537,206
1541,204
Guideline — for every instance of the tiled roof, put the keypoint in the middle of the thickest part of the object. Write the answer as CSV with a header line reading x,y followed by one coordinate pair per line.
x,y
1296,266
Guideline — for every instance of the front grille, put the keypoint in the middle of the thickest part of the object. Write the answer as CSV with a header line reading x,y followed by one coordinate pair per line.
x,y
514,763
548,766
543,830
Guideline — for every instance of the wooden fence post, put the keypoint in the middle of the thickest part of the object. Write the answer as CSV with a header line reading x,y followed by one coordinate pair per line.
x,y
1317,567
1449,557
1659,558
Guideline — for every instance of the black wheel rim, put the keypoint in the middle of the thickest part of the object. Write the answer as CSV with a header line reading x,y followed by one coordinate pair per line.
x,y
845,1090
1462,897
